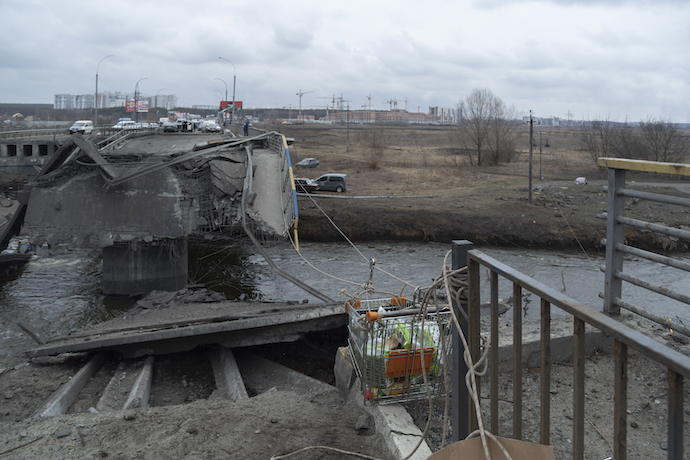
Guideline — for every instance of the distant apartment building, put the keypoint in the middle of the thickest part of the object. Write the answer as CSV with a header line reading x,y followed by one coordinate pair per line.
x,y
71,101
107,100
445,115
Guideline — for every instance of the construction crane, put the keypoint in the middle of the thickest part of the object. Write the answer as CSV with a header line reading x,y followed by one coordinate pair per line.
x,y
300,94
328,97
393,104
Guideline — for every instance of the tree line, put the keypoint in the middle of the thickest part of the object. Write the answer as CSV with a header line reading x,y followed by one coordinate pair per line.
x,y
653,140
488,133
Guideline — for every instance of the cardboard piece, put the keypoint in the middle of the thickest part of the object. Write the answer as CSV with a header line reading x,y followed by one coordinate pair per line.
x,y
471,449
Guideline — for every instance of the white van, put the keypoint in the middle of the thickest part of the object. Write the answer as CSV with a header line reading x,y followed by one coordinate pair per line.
x,y
81,126
125,125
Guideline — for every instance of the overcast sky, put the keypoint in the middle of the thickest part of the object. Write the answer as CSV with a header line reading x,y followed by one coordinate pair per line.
x,y
587,59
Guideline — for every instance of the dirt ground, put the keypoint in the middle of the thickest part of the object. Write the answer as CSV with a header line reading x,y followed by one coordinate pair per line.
x,y
425,191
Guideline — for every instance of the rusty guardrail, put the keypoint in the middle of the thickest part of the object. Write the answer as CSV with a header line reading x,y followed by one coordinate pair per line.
x,y
677,364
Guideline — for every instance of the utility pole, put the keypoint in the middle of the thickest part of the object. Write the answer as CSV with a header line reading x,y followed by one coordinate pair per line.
x,y
369,112
300,94
347,120
531,139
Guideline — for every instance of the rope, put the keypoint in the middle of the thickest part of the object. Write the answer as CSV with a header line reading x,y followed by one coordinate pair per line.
x,y
572,230
455,285
474,369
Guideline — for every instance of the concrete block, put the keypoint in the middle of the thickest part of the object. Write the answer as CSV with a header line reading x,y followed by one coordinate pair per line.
x,y
141,391
392,420
228,378
261,374
345,374
67,394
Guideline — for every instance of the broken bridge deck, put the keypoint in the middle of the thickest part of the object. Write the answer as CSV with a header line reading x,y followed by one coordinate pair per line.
x,y
178,328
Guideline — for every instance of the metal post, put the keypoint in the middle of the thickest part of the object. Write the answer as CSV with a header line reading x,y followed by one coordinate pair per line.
x,y
136,100
226,96
95,100
675,414
460,413
234,81
540,176
614,235
530,156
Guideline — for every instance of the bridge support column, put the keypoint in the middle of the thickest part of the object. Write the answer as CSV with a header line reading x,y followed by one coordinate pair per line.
x,y
144,267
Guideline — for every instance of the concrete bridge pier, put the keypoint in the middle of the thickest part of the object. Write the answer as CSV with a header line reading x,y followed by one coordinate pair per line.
x,y
140,267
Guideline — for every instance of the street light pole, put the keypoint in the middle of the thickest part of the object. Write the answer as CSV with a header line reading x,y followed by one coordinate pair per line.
x,y
156,97
136,100
226,96
234,81
95,99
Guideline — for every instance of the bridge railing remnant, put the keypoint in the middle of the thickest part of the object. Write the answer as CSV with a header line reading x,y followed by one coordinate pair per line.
x,y
624,337
616,246
28,133
278,144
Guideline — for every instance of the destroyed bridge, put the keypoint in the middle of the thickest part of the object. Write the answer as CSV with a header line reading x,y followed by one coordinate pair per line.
x,y
140,194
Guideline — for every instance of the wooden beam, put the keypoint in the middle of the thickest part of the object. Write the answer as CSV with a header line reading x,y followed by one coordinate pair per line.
x,y
676,169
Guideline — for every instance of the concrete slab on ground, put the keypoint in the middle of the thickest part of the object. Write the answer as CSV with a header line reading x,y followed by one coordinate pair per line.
x,y
181,327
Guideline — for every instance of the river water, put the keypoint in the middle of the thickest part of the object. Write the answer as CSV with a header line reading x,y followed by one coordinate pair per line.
x,y
60,291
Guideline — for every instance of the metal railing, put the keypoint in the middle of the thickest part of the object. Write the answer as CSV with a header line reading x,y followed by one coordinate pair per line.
x,y
278,144
616,247
30,133
677,364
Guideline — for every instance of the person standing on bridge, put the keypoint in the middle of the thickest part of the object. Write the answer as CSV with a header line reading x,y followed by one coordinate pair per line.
x,y
246,128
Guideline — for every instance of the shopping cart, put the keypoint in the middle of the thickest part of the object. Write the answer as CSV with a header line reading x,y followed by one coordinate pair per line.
x,y
393,346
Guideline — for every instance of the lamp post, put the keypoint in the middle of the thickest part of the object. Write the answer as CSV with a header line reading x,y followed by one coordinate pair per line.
x,y
136,99
234,80
226,95
156,97
95,99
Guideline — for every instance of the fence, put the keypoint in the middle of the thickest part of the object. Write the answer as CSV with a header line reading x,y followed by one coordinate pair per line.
x,y
464,419
616,247
29,133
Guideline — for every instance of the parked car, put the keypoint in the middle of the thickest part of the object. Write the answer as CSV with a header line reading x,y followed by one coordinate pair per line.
x,y
332,182
169,127
81,126
303,185
210,126
309,163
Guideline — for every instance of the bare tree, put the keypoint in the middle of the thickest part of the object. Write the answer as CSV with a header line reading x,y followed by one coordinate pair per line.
x,y
501,135
627,142
597,138
375,140
663,141
486,129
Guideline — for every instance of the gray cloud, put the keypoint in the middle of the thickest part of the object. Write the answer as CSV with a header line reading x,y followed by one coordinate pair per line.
x,y
590,58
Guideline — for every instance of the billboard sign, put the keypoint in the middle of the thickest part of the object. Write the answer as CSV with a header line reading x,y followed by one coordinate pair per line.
x,y
228,105
130,106
142,106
